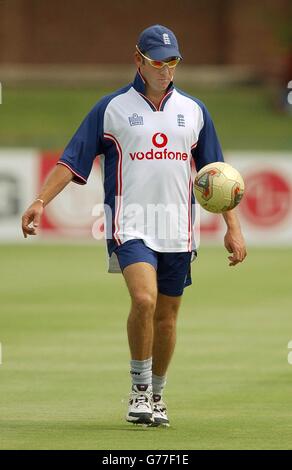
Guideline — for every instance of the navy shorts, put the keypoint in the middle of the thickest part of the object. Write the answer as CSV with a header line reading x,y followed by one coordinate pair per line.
x,y
173,269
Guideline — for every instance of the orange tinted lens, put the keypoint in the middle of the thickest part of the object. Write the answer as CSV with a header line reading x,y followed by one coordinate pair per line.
x,y
173,63
157,63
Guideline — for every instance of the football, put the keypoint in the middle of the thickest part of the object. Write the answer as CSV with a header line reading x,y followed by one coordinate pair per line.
x,y
218,187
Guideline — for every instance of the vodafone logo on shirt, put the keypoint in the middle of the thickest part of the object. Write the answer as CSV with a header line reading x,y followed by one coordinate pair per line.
x,y
159,140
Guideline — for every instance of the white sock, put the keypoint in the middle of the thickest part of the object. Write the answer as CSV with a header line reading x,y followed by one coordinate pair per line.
x,y
158,384
141,371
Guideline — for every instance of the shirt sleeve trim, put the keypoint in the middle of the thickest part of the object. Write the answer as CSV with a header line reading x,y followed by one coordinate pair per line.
x,y
83,180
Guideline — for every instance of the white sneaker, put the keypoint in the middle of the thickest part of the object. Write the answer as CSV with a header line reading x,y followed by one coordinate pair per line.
x,y
140,405
159,412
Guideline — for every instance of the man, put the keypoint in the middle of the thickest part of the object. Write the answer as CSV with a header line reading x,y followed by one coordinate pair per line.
x,y
146,134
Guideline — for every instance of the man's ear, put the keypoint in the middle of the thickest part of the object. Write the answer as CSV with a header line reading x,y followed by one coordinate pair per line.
x,y
138,59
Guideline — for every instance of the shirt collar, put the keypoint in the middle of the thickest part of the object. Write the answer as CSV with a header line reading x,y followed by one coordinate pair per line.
x,y
139,85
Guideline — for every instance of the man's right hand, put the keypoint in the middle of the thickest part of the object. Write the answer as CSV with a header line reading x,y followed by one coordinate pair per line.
x,y
32,216
59,177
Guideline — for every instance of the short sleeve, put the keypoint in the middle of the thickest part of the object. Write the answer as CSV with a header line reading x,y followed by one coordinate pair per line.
x,y
84,146
208,149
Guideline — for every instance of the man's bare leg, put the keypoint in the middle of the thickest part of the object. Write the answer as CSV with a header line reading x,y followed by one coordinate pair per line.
x,y
164,332
142,285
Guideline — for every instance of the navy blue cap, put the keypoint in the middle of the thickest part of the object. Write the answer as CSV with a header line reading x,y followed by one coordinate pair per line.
x,y
159,43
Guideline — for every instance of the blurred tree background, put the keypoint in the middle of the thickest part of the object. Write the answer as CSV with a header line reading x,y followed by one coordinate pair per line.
x,y
57,58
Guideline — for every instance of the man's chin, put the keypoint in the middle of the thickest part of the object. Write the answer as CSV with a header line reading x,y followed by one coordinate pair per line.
x,y
163,84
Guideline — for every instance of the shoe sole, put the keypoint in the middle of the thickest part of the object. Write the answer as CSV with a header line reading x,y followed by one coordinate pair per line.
x,y
140,419
156,424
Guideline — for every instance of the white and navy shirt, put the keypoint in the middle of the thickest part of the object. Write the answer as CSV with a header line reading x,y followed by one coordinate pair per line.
x,y
146,155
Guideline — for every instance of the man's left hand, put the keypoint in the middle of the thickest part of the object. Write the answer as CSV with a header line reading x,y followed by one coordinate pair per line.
x,y
235,244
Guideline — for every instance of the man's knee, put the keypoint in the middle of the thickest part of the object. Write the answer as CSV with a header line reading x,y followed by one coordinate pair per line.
x,y
144,302
166,312
165,324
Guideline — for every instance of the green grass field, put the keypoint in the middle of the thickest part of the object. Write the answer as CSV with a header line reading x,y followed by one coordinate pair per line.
x,y
64,380
46,118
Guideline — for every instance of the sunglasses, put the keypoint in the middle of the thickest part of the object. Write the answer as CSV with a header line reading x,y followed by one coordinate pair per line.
x,y
159,64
